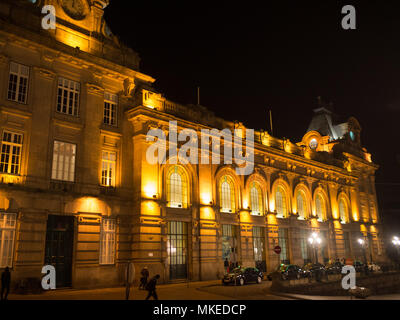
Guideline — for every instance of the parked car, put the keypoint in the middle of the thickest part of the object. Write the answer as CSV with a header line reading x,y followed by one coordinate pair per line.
x,y
334,267
359,266
241,276
288,272
314,270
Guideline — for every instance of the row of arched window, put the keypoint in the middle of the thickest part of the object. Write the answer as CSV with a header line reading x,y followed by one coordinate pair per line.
x,y
178,186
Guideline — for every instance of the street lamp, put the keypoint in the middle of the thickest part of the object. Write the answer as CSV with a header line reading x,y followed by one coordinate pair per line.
x,y
362,244
315,241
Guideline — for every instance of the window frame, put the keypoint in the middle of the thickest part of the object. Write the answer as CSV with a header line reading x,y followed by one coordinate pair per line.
x,y
226,180
74,91
109,257
172,187
10,154
282,191
108,99
52,162
12,246
19,75
259,199
109,162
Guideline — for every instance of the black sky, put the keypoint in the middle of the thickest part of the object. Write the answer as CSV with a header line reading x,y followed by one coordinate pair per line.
x,y
251,56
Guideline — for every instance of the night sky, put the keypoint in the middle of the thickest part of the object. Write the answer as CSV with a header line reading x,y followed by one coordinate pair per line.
x,y
252,56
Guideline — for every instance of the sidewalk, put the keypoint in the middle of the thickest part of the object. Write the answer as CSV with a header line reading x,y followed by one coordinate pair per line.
x,y
176,291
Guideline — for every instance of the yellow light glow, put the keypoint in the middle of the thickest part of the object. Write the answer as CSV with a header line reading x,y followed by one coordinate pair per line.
x,y
271,218
150,207
205,198
90,204
150,190
207,213
314,223
337,224
272,206
245,216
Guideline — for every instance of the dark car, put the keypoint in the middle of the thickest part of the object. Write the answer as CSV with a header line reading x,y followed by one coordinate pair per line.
x,y
240,276
289,272
315,270
359,266
334,268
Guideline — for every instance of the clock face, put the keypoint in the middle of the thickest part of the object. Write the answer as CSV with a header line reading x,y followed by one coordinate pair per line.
x,y
74,8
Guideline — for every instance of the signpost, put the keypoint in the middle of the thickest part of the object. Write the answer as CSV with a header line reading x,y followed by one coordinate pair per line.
x,y
129,278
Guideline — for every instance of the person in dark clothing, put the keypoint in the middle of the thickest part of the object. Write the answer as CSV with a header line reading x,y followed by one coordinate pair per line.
x,y
143,280
5,283
226,265
151,287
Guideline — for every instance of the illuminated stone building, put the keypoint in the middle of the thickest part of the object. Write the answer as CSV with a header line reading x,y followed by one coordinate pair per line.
x,y
77,191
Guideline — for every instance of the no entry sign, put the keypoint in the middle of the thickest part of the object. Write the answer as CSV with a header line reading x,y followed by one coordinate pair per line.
x,y
277,249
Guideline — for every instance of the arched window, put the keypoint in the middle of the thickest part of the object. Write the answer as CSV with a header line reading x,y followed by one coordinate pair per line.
x,y
177,187
256,202
320,208
280,202
301,205
343,210
227,194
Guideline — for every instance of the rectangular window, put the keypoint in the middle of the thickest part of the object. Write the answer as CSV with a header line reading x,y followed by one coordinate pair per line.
x,y
177,249
68,96
283,239
110,109
64,155
108,163
325,246
11,147
229,243
7,235
305,252
107,242
18,82
259,245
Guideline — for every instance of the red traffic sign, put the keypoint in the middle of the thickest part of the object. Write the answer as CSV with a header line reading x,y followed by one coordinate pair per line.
x,y
277,249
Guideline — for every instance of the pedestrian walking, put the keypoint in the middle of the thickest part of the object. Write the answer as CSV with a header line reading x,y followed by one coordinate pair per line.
x,y
5,283
151,287
143,280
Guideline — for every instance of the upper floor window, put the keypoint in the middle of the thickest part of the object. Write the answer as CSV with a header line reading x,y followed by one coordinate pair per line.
x,y
343,211
68,96
18,82
256,202
108,163
110,109
11,147
7,236
107,241
320,208
280,202
301,205
64,155
177,187
227,194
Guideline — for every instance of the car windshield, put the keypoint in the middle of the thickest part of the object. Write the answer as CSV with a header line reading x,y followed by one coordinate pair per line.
x,y
237,270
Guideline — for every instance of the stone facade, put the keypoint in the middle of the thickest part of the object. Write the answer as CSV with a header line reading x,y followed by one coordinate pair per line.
x,y
330,165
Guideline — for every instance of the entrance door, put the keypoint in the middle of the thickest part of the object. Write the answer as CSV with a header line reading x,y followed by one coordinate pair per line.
x,y
59,246
177,250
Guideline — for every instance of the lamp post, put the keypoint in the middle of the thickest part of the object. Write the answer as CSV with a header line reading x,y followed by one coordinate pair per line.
x,y
396,243
315,241
362,244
